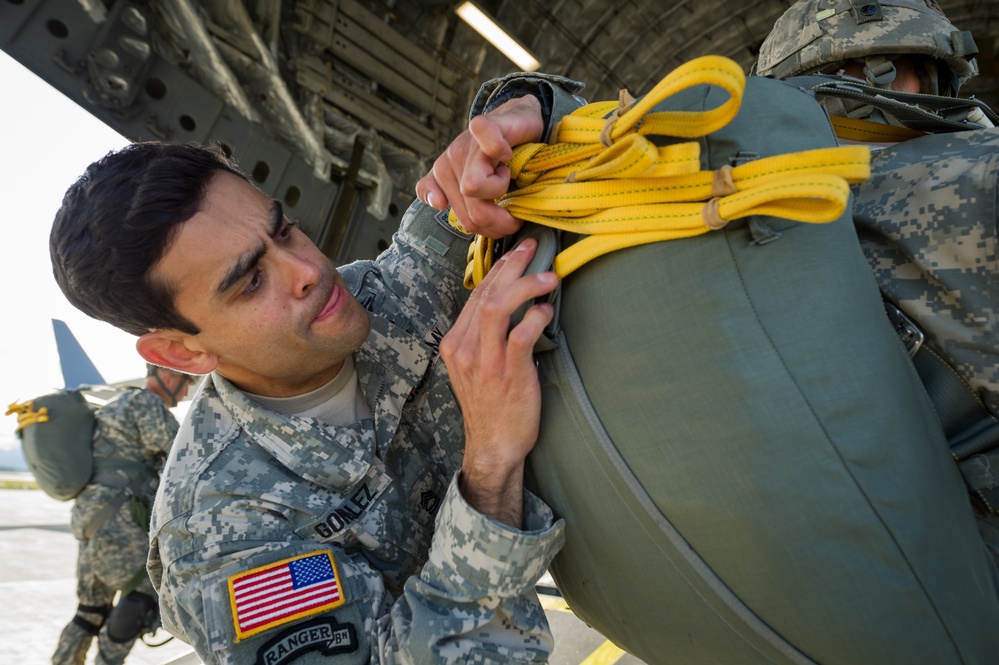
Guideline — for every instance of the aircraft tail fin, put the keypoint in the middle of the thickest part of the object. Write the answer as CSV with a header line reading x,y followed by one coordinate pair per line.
x,y
77,368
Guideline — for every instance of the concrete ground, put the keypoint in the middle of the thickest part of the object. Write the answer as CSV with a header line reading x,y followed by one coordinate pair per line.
x,y
38,582
37,594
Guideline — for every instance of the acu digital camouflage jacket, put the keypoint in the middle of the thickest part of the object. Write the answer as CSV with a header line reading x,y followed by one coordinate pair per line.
x,y
369,516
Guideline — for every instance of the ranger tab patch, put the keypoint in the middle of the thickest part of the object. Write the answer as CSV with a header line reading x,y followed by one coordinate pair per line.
x,y
324,634
285,591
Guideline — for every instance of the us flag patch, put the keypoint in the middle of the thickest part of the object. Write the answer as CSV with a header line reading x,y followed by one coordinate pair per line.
x,y
282,592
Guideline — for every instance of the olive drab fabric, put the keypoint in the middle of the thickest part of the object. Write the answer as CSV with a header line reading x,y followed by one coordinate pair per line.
x,y
746,460
56,433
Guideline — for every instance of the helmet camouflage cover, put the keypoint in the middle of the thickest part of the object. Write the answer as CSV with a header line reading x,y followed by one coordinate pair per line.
x,y
817,35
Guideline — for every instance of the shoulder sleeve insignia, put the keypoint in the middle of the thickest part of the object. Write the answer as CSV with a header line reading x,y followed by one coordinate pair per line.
x,y
282,592
325,635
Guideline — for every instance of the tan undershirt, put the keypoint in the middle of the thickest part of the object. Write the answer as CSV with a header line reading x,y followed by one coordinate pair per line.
x,y
339,402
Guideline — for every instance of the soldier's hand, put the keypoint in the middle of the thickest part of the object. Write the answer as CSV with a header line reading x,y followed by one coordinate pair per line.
x,y
493,374
470,175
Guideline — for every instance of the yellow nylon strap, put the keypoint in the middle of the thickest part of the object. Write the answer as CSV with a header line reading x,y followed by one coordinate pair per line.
x,y
812,198
817,198
579,199
632,192
26,414
537,162
585,125
455,223
479,257
857,129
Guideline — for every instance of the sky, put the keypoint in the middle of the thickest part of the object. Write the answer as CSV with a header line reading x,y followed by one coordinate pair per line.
x,y
46,141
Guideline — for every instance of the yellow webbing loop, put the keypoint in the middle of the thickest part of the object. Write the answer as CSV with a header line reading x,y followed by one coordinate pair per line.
x,y
26,414
586,124
480,259
633,192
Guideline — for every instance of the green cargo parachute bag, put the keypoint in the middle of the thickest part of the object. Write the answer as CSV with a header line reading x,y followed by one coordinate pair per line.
x,y
927,222
56,433
749,468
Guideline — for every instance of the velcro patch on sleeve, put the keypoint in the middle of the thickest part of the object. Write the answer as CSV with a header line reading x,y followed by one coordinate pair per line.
x,y
285,591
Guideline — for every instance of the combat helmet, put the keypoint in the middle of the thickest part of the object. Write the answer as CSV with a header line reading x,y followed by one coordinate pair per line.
x,y
153,371
819,36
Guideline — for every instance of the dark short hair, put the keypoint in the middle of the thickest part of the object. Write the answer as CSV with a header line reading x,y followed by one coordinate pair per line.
x,y
117,220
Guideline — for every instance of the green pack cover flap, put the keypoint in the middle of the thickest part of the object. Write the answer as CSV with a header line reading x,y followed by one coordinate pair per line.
x,y
749,468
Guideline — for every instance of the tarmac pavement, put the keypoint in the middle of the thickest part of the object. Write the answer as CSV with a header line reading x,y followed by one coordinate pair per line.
x,y
38,583
38,594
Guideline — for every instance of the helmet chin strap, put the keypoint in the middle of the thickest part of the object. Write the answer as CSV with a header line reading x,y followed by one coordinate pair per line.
x,y
172,394
943,80
879,71
933,79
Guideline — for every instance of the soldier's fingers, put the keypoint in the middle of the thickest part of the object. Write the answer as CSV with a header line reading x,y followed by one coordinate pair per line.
x,y
483,179
488,219
489,136
525,334
495,311
428,191
508,268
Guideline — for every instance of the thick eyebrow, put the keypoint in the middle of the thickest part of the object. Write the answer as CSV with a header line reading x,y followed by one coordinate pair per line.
x,y
245,263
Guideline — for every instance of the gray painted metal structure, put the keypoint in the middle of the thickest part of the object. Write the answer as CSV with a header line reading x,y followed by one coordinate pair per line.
x,y
337,107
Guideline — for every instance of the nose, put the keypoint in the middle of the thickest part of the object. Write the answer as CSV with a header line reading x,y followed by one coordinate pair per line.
x,y
302,273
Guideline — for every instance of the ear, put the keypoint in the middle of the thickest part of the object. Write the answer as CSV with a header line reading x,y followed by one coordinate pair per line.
x,y
169,348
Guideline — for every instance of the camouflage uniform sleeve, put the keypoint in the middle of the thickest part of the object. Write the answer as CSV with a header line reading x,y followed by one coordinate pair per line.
x,y
473,602
558,95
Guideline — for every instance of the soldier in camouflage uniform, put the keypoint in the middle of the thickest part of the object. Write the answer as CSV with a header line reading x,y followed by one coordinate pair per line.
x,y
927,216
327,497
132,436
